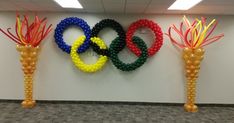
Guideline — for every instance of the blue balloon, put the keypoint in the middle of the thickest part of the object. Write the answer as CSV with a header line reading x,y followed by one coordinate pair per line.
x,y
63,25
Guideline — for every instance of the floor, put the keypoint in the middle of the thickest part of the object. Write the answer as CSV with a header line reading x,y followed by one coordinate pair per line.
x,y
50,112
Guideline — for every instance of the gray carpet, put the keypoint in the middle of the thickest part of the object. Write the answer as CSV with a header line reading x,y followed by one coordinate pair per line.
x,y
11,112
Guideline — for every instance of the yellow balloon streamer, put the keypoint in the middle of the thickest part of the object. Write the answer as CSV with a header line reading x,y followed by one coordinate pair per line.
x,y
203,34
19,29
90,68
28,59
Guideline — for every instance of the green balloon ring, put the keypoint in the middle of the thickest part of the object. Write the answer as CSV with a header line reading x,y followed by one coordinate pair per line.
x,y
114,50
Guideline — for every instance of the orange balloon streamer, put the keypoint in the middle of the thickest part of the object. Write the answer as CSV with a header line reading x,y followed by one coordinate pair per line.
x,y
194,36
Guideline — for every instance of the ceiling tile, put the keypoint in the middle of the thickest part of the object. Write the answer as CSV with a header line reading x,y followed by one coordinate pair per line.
x,y
27,5
8,6
114,6
92,6
136,6
120,6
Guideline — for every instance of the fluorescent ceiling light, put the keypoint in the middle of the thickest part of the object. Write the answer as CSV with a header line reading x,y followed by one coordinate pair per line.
x,y
183,4
69,3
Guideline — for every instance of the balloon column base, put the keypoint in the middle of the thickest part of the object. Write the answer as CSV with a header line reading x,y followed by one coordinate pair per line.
x,y
28,103
190,108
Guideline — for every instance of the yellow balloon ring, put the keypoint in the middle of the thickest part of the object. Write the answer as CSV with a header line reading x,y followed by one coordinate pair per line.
x,y
90,68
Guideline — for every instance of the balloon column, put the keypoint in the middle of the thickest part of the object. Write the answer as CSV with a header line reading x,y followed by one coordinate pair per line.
x,y
194,36
28,38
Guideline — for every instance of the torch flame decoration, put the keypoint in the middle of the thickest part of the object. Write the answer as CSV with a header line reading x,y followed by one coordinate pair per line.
x,y
196,34
193,39
28,37
27,34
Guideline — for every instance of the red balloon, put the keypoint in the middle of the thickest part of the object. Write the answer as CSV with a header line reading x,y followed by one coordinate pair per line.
x,y
158,41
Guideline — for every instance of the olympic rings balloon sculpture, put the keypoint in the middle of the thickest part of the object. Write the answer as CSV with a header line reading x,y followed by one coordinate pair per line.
x,y
91,39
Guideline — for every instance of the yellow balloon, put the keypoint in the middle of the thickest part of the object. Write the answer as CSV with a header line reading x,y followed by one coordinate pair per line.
x,y
90,68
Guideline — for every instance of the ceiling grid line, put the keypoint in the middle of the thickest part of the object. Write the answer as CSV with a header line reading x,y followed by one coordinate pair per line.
x,y
147,7
125,2
103,6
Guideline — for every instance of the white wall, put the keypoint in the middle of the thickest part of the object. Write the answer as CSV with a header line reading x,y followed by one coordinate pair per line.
x,y
160,79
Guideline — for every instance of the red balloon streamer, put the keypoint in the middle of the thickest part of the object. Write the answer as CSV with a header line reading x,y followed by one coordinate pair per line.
x,y
191,30
28,34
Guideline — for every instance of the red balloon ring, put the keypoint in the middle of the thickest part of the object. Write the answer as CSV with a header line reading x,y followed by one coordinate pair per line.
x,y
157,32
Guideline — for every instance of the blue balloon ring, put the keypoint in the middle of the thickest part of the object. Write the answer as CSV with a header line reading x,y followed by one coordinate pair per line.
x,y
63,25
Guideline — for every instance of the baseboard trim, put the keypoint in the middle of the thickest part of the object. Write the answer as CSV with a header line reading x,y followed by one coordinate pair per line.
x,y
119,103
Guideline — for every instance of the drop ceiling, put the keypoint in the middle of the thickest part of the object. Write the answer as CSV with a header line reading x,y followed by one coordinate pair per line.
x,y
223,7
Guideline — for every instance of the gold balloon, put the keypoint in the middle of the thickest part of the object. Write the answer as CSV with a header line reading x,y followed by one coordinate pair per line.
x,y
192,59
28,59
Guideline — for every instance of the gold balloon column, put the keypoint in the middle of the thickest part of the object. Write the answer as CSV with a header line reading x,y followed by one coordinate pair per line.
x,y
28,38
194,36
192,59
28,59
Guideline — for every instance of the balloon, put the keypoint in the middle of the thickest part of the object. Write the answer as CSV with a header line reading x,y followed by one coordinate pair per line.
x,y
62,26
80,64
28,60
194,36
110,23
128,66
192,70
28,35
28,38
158,41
